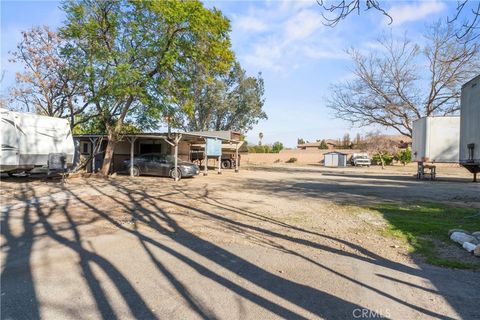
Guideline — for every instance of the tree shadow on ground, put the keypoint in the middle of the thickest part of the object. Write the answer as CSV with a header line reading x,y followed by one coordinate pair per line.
x,y
148,208
366,190
19,299
459,291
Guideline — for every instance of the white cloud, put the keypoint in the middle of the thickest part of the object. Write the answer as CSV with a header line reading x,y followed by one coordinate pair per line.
x,y
324,52
415,11
249,23
302,25
294,34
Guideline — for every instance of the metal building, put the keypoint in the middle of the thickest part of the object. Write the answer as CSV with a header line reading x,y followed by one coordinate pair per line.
x,y
335,159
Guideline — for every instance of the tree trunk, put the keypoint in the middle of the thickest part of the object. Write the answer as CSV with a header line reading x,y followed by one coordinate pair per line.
x,y
107,160
382,161
113,132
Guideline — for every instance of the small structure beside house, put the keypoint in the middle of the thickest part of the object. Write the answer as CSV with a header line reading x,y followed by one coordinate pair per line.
x,y
182,145
335,159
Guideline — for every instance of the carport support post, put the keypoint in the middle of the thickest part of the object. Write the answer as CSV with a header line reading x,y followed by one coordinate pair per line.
x,y
132,148
205,157
236,155
177,140
94,142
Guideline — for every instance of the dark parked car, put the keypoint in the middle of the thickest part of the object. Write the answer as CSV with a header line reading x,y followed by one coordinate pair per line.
x,y
161,165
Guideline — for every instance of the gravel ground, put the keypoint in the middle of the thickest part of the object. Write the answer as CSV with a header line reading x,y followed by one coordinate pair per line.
x,y
268,242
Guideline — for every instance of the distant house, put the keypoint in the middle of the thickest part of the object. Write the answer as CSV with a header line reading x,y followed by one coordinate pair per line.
x,y
308,145
401,141
332,144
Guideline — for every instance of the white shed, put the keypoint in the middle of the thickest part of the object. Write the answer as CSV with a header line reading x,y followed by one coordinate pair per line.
x,y
335,159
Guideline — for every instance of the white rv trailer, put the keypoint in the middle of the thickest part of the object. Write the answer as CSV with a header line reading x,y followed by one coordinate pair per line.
x,y
436,139
470,126
28,139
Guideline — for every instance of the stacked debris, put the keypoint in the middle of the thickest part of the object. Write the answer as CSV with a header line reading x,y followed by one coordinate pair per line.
x,y
469,241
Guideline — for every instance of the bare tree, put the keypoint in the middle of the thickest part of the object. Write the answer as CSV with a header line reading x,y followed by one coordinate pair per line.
x,y
3,100
381,145
47,86
405,81
346,142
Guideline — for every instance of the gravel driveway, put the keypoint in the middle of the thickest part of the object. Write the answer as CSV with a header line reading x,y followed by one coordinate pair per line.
x,y
266,243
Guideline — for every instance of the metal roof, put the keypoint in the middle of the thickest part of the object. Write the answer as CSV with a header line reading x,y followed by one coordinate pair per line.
x,y
160,135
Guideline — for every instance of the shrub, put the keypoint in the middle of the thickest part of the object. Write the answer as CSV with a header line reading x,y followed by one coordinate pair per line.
x,y
387,158
277,161
291,160
260,149
404,156
277,147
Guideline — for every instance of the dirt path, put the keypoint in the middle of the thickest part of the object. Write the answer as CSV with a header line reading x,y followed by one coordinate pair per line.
x,y
265,243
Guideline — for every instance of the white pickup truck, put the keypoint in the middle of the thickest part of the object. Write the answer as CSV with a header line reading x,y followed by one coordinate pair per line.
x,y
360,159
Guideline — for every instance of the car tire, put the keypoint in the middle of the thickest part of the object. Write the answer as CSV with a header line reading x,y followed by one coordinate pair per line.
x,y
136,171
179,174
226,164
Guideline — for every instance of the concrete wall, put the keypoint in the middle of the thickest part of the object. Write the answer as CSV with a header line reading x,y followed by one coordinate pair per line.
x,y
303,156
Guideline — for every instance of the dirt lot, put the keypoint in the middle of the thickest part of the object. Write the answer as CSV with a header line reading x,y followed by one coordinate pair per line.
x,y
266,243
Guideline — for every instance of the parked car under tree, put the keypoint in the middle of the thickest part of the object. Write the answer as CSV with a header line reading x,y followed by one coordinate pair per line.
x,y
161,165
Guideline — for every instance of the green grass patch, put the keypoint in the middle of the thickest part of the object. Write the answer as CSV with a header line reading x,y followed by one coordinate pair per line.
x,y
424,226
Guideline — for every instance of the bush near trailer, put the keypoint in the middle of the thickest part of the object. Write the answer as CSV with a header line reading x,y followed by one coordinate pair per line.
x,y
404,156
387,158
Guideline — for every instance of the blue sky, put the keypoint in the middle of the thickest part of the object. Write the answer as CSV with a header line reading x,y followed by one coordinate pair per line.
x,y
299,58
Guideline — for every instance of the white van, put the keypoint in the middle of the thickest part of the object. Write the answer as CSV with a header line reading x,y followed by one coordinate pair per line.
x,y
28,139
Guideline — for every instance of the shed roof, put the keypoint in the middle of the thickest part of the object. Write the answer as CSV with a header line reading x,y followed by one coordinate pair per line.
x,y
335,152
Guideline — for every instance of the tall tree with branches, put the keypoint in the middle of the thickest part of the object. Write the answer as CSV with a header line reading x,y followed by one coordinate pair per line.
x,y
130,50
405,81
229,101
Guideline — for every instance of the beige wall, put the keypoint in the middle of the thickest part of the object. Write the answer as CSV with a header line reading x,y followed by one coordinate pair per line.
x,y
303,156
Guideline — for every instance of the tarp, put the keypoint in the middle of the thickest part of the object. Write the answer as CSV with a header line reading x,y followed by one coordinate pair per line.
x,y
214,147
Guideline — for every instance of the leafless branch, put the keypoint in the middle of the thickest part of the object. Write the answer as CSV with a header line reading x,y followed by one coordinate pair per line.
x,y
391,87
339,10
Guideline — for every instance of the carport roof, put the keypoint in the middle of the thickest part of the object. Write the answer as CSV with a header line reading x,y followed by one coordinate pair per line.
x,y
186,136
